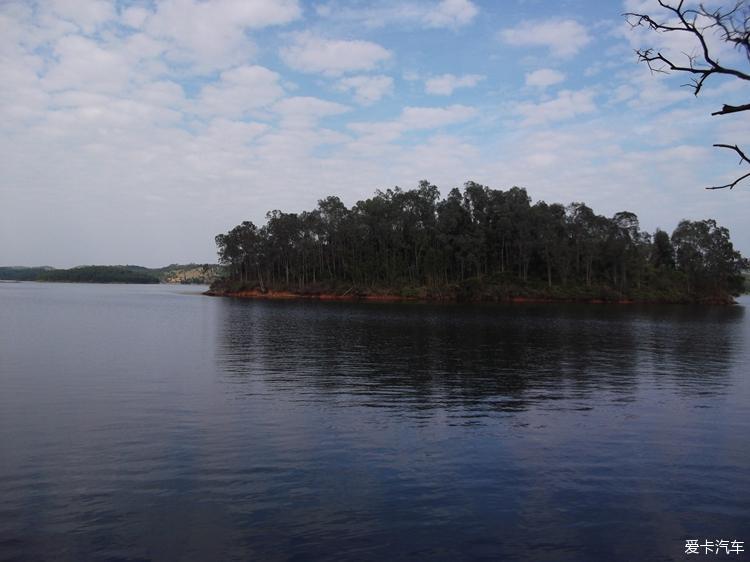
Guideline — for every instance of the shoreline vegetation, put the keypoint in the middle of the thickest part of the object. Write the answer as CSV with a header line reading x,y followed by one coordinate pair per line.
x,y
476,245
489,294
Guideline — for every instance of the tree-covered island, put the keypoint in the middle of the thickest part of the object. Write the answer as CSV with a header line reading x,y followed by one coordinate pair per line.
x,y
479,244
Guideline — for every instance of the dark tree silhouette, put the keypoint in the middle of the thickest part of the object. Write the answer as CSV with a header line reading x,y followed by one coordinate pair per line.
x,y
732,25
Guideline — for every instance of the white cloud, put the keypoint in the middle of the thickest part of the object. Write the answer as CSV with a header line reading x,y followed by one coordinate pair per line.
x,y
441,156
84,63
451,13
86,14
563,38
239,91
445,84
162,93
414,119
640,6
367,89
333,57
566,105
650,92
422,13
213,34
305,111
621,93
661,130
544,77
134,16
431,117
228,135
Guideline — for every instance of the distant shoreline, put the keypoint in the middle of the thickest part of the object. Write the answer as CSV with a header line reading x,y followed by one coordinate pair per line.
x,y
184,274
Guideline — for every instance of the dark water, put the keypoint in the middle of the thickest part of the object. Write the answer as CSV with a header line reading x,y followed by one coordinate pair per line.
x,y
151,423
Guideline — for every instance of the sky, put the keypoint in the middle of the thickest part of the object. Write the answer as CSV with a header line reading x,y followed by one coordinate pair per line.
x,y
134,132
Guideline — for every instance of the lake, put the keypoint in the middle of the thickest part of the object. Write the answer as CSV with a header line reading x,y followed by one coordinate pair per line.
x,y
151,422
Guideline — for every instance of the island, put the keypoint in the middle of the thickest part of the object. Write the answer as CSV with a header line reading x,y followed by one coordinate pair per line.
x,y
476,244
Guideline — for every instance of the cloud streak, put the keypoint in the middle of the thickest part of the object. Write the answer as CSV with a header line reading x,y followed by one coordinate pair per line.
x,y
428,14
561,38
311,53
446,84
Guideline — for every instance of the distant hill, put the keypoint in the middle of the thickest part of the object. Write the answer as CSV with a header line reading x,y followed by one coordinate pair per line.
x,y
100,274
174,273
188,274
19,273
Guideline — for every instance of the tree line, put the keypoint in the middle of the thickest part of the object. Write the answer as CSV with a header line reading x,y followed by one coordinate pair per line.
x,y
100,274
479,243
174,273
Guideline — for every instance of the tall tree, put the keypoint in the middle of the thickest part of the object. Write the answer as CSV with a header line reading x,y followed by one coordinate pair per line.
x,y
473,238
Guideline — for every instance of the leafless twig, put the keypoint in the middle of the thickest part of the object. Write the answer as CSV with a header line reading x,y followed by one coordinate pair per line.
x,y
734,27
743,158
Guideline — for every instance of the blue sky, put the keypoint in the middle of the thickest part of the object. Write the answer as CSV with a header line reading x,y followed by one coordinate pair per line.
x,y
133,132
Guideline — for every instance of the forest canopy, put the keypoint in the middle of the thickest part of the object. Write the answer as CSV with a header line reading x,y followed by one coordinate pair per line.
x,y
100,274
477,244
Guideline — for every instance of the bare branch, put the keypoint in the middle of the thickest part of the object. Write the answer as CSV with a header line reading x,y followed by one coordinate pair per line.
x,y
731,30
732,109
743,158
733,25
731,185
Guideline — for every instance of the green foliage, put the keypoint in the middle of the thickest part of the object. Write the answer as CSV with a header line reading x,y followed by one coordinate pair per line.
x,y
22,273
478,244
706,255
100,274
662,254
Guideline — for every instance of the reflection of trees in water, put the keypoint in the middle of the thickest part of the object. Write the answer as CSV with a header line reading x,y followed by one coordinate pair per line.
x,y
696,346
493,357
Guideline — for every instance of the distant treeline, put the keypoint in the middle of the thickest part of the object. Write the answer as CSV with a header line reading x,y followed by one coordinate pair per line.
x,y
478,244
22,273
175,273
100,274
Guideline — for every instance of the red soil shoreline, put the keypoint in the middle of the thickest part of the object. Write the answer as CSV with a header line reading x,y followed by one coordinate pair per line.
x,y
289,295
354,297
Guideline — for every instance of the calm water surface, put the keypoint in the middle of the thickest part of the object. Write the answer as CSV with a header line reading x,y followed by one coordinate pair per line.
x,y
150,422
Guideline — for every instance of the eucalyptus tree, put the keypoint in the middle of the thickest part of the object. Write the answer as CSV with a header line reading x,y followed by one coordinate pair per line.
x,y
477,236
